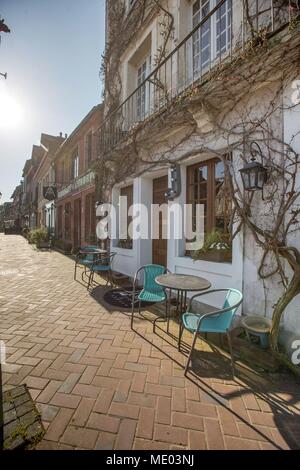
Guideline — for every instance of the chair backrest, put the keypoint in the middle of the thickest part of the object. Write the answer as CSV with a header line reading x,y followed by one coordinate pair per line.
x,y
105,259
233,298
151,271
89,257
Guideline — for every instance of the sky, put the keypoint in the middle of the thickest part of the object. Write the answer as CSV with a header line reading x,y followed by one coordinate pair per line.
x,y
52,58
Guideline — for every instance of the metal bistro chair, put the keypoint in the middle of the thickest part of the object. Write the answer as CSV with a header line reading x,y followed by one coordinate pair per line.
x,y
84,260
102,265
151,291
218,321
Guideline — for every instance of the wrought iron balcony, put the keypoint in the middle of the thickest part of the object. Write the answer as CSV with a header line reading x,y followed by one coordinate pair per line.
x,y
216,38
79,183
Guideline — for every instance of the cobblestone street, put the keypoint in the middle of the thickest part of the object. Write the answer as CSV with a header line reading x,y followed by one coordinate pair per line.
x,y
99,385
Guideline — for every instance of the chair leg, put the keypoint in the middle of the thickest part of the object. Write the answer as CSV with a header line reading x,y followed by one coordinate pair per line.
x,y
75,271
111,278
190,354
132,313
231,351
168,313
181,329
90,279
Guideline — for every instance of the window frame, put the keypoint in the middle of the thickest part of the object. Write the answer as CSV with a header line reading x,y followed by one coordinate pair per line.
x,y
75,164
143,91
128,243
211,196
215,52
88,160
90,218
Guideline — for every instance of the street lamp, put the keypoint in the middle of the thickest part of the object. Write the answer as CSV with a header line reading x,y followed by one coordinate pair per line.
x,y
254,174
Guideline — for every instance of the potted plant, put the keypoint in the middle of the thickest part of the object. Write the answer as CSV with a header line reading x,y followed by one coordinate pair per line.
x,y
126,244
40,237
216,247
25,232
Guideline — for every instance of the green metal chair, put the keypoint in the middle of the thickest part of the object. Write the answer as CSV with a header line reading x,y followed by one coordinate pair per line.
x,y
84,260
218,321
151,291
100,265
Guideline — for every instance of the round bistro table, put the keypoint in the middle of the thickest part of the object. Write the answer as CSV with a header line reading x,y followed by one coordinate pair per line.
x,y
97,251
182,283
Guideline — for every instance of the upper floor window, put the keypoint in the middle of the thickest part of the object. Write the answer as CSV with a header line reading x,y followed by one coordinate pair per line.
x,y
213,38
62,172
143,93
75,165
88,149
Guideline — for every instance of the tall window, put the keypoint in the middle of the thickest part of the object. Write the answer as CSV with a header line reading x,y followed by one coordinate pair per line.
x,y
90,219
126,241
62,172
89,149
213,38
75,165
59,222
207,185
143,92
68,209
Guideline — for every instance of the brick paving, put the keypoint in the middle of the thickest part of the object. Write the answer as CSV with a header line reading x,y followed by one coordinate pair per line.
x,y
99,385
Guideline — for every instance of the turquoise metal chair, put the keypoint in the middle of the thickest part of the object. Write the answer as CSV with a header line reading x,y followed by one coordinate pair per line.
x,y
151,291
218,321
102,264
84,260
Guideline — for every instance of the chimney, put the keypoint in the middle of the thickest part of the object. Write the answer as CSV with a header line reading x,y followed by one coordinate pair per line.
x,y
66,136
60,134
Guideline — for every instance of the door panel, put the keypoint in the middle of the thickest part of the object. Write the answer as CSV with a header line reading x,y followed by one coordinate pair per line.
x,y
160,246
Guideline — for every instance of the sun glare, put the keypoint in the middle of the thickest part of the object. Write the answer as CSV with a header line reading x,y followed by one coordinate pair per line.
x,y
10,110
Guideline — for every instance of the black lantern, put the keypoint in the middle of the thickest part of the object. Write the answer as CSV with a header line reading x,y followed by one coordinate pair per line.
x,y
254,174
175,189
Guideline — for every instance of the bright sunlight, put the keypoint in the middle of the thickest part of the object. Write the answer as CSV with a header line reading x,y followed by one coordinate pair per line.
x,y
11,112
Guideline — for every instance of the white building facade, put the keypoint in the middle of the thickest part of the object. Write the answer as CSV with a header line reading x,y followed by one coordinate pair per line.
x,y
206,34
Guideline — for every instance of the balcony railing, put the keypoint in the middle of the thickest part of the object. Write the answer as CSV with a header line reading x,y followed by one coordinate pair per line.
x,y
77,184
216,38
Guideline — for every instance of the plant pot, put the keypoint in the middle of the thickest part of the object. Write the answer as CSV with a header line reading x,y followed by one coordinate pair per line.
x,y
259,327
42,245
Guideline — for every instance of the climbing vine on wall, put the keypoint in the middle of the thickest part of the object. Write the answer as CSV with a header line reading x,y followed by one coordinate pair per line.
x,y
223,102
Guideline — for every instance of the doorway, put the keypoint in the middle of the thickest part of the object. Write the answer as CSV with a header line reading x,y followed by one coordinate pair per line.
x,y
160,246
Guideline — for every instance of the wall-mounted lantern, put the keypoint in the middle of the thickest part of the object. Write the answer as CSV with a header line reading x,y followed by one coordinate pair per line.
x,y
254,174
175,189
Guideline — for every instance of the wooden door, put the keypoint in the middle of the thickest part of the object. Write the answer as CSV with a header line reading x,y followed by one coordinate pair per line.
x,y
160,246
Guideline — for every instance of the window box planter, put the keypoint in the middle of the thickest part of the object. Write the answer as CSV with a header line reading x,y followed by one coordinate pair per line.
x,y
218,256
125,244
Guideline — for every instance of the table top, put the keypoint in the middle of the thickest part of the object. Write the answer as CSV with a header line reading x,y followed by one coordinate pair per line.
x,y
183,282
93,252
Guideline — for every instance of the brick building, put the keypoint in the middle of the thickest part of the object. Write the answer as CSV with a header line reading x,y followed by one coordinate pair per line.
x,y
75,204
16,208
44,177
37,172
29,199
